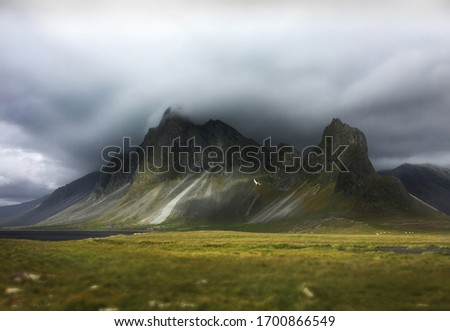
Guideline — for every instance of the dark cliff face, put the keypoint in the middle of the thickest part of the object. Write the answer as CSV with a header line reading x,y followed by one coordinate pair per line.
x,y
355,157
213,132
176,130
179,133
344,134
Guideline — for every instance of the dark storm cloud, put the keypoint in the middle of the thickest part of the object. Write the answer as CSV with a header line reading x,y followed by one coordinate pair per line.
x,y
76,76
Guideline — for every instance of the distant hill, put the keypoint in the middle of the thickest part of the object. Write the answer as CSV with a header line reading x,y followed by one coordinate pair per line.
x,y
12,214
33,212
429,183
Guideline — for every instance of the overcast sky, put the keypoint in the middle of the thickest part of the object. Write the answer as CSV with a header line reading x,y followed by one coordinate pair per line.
x,y
78,75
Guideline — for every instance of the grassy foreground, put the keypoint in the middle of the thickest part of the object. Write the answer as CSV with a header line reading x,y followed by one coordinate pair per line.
x,y
227,271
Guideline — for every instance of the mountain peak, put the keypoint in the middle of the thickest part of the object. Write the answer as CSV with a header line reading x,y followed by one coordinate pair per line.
x,y
173,115
175,125
355,157
344,134
336,121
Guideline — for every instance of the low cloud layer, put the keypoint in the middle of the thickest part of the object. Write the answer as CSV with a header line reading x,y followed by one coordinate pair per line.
x,y
76,76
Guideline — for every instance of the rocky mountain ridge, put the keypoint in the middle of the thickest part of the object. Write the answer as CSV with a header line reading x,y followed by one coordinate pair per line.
x,y
278,199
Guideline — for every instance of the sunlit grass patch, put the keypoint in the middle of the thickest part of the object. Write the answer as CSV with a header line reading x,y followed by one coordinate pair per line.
x,y
227,271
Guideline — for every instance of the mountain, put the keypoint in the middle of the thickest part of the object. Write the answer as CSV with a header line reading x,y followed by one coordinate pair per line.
x,y
426,182
150,187
13,214
373,194
33,212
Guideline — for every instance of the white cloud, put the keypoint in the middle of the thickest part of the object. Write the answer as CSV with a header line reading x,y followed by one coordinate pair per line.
x,y
28,169
33,167
9,202
4,180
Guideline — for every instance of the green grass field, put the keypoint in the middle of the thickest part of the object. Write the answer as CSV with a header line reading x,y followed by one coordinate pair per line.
x,y
215,270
